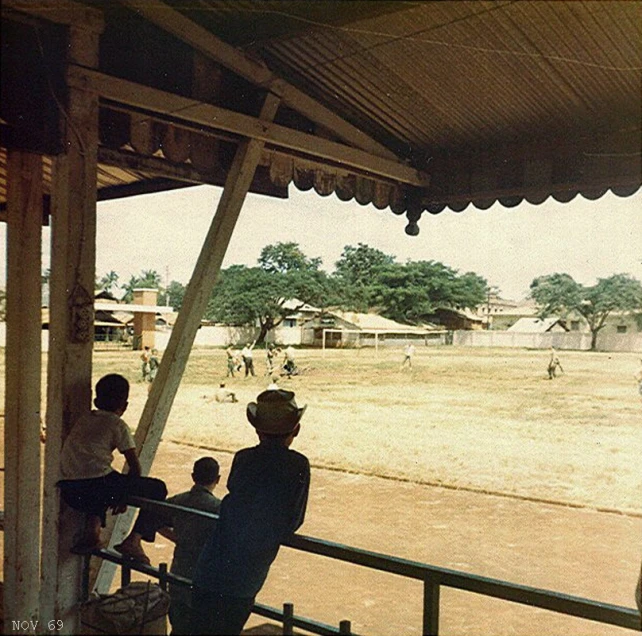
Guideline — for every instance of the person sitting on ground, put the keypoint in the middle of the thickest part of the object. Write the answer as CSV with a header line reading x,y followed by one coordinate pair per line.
x,y
289,365
224,394
89,484
268,493
190,533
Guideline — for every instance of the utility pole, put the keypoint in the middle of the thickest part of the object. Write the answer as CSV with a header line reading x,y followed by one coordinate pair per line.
x,y
166,285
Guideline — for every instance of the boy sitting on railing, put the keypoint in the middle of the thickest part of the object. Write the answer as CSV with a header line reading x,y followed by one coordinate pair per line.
x,y
90,485
268,493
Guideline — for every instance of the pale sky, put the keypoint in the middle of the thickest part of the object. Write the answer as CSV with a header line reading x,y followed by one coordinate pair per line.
x,y
509,247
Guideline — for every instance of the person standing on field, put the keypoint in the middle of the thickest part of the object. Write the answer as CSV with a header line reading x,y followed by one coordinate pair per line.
x,y
248,359
408,352
145,357
554,364
638,379
231,361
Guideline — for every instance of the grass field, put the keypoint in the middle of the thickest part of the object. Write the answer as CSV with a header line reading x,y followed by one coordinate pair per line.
x,y
486,419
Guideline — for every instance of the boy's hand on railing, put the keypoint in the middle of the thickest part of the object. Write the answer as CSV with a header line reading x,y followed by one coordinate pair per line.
x,y
118,509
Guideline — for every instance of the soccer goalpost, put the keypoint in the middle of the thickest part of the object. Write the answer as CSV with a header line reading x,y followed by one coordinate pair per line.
x,y
360,338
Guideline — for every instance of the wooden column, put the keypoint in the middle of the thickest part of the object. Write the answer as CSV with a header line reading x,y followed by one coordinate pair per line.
x,y
71,332
163,391
22,391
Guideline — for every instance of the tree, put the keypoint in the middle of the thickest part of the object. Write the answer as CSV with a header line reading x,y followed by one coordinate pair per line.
x,y
108,281
149,279
173,295
250,295
413,291
356,273
286,258
560,293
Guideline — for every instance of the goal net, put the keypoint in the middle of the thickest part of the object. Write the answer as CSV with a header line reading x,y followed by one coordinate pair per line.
x,y
360,338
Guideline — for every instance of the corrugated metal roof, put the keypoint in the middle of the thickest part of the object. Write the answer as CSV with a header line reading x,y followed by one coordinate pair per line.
x,y
499,100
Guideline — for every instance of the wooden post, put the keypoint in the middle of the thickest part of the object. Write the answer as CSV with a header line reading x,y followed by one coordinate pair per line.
x,y
22,390
164,388
71,331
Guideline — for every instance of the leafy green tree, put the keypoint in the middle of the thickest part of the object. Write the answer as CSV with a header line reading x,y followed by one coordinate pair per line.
x,y
286,258
411,292
258,295
561,294
175,293
356,275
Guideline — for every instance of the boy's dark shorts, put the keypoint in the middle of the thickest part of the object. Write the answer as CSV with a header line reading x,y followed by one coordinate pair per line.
x,y
95,496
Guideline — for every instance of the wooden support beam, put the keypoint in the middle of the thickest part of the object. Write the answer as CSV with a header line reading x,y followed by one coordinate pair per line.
x,y
174,22
22,391
163,391
60,12
213,117
71,299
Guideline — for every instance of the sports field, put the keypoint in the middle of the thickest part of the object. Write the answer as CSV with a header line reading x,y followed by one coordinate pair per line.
x,y
474,418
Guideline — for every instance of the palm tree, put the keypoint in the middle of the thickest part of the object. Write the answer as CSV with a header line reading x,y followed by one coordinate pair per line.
x,y
108,281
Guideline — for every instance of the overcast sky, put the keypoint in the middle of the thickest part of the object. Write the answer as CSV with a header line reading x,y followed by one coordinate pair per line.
x,y
509,247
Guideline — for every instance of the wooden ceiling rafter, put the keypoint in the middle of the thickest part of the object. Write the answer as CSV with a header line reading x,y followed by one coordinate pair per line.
x,y
255,71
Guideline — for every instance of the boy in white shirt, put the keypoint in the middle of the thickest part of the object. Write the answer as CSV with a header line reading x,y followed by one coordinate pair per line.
x,y
89,483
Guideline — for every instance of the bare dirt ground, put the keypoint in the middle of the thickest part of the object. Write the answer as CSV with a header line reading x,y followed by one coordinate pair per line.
x,y
574,551
450,464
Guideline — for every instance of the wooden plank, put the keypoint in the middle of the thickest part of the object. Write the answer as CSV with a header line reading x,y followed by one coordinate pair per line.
x,y
22,392
161,397
208,44
152,165
60,12
214,117
69,390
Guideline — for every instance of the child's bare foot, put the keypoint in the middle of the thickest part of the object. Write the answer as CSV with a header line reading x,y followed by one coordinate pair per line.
x,y
133,551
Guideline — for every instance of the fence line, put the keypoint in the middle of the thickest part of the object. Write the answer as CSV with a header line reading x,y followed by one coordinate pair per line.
x,y
433,578
574,340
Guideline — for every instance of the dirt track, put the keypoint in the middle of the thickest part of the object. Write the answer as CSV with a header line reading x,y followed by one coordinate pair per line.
x,y
581,552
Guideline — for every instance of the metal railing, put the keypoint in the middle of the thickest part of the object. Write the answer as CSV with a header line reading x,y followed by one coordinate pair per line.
x,y
434,578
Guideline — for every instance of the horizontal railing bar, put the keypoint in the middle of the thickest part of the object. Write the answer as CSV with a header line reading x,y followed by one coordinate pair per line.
x,y
535,597
496,588
298,621
258,608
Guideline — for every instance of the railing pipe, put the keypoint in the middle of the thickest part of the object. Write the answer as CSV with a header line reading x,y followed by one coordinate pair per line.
x,y
125,575
435,576
288,616
162,576
431,608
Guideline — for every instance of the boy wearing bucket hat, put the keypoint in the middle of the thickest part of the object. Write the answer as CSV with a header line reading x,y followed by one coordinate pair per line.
x,y
268,493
